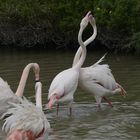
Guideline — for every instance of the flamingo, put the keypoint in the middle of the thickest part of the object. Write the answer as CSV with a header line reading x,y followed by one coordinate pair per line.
x,y
65,83
97,79
26,121
6,94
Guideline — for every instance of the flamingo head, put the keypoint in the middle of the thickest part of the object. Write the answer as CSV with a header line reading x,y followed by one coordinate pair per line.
x,y
52,100
36,70
91,19
23,134
85,20
20,134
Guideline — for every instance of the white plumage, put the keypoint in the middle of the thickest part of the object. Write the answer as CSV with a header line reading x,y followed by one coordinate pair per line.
x,y
97,73
6,95
99,81
64,83
25,116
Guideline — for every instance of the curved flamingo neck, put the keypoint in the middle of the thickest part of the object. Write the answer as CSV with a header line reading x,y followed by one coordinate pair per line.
x,y
83,48
24,77
88,41
38,92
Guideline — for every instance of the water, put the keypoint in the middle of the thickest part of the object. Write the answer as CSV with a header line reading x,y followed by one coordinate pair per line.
x,y
122,122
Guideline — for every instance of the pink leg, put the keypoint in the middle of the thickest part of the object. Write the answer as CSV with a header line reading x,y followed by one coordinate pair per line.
x,y
108,101
98,102
70,111
98,106
57,110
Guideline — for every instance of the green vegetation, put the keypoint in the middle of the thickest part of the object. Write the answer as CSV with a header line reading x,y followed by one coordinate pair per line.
x,y
30,23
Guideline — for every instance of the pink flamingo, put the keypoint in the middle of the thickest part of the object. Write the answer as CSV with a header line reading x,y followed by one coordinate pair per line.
x,y
97,79
65,83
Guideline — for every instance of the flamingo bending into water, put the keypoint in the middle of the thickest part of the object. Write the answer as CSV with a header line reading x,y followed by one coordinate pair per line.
x,y
97,79
6,94
27,121
65,83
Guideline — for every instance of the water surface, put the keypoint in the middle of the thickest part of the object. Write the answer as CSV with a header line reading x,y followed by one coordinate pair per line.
x,y
122,122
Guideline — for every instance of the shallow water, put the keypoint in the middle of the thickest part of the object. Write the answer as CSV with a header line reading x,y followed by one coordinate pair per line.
x,y
122,122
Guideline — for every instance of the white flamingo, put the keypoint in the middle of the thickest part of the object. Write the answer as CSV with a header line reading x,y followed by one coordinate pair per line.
x,y
97,79
6,94
65,83
27,121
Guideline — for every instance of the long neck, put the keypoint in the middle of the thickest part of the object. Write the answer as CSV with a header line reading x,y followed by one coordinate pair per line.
x,y
88,41
38,93
83,49
24,77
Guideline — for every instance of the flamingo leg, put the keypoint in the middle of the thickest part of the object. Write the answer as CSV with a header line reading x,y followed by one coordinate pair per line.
x,y
98,106
108,101
98,101
57,110
70,109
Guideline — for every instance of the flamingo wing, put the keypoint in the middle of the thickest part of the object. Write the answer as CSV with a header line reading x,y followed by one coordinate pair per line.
x,y
5,89
100,74
6,95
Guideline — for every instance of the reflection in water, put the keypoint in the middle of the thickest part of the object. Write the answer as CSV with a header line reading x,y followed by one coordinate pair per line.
x,y
122,122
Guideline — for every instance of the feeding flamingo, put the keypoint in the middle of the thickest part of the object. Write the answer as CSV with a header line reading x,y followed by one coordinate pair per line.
x,y
97,79
65,83
25,120
6,94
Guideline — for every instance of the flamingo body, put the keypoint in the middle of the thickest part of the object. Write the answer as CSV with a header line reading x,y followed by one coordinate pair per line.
x,y
97,76
100,74
64,84
26,120
99,81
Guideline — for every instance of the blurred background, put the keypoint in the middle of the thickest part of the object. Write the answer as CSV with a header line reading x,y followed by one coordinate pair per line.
x,y
55,24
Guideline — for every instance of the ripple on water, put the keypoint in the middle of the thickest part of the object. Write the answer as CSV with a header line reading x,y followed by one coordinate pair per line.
x,y
120,122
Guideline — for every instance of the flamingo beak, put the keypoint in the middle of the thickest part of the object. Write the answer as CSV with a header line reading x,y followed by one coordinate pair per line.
x,y
51,102
88,14
123,93
19,134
